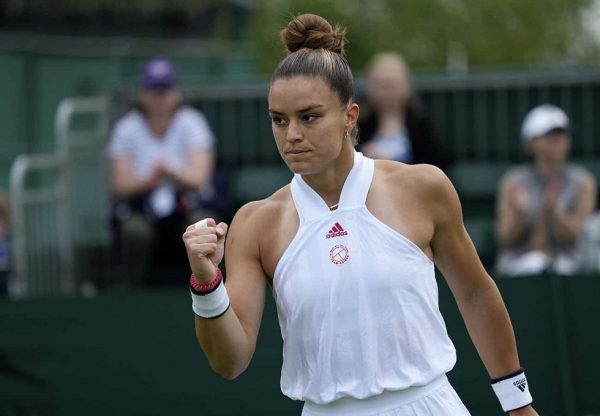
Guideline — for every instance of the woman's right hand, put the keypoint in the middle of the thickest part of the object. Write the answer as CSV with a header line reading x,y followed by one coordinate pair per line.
x,y
205,247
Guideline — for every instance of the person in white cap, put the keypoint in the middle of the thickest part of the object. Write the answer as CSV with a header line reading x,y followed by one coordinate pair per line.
x,y
349,249
543,205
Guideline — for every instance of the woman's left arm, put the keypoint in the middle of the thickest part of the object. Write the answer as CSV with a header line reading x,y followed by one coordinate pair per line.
x,y
476,294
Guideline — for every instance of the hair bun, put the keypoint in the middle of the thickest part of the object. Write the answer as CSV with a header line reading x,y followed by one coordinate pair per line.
x,y
313,32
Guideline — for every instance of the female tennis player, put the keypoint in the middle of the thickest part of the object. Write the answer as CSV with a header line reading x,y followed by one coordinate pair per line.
x,y
349,249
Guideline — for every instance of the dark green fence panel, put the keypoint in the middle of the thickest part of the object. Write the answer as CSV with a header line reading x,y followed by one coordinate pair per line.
x,y
581,300
529,302
479,116
240,120
13,110
134,353
59,77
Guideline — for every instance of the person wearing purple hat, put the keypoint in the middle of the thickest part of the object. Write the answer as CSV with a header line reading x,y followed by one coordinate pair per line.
x,y
158,75
162,162
543,205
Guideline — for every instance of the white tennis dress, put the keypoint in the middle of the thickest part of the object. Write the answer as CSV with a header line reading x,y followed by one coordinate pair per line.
x,y
358,310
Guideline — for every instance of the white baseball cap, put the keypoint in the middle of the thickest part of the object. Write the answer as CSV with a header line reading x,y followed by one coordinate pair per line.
x,y
543,119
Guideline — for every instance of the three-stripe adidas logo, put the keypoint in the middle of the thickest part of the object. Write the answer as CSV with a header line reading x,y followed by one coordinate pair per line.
x,y
521,384
336,231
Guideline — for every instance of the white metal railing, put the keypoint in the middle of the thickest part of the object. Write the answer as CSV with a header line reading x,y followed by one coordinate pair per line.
x,y
46,198
43,259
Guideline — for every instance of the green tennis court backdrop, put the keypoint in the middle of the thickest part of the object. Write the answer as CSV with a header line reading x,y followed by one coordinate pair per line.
x,y
134,353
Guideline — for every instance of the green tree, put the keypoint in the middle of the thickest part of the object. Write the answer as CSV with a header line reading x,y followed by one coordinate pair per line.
x,y
433,33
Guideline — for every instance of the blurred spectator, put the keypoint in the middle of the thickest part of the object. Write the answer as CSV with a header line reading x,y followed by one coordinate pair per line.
x,y
4,244
588,246
543,205
393,124
162,161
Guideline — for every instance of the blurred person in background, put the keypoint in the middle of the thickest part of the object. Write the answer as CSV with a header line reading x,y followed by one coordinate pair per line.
x,y
542,205
588,245
4,243
393,124
162,162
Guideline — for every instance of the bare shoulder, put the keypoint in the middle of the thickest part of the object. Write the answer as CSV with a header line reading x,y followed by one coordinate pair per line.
x,y
263,229
262,212
256,221
423,179
425,188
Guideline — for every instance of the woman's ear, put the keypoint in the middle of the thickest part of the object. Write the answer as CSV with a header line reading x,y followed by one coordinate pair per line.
x,y
352,113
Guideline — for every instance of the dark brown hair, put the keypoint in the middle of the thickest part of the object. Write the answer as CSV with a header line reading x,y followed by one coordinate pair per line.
x,y
316,49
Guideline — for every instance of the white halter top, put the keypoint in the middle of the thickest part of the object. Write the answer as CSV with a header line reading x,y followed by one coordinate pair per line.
x,y
357,302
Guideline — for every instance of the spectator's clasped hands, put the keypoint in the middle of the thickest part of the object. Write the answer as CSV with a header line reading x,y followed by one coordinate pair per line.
x,y
551,194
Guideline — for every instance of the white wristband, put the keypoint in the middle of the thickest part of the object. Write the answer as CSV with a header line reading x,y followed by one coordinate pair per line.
x,y
211,305
512,391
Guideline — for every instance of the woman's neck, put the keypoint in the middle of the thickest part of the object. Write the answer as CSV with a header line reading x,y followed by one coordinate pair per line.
x,y
329,182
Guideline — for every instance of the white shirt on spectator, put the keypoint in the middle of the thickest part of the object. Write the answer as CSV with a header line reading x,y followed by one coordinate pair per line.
x,y
133,139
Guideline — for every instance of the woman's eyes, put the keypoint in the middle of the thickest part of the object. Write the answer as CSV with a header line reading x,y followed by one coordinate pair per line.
x,y
307,118
278,121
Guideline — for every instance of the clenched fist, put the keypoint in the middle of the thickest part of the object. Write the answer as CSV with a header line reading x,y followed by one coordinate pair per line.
x,y
204,243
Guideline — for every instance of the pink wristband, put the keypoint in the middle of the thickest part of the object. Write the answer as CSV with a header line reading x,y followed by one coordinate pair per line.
x,y
204,288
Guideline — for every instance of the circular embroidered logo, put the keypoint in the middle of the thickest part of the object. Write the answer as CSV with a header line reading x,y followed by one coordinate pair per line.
x,y
339,254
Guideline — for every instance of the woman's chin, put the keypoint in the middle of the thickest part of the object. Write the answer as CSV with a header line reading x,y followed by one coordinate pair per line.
x,y
300,168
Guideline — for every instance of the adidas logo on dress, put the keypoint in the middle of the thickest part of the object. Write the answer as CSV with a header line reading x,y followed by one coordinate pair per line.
x,y
336,231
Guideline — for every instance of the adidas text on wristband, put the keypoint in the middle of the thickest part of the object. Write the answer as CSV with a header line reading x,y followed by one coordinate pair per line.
x,y
512,391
